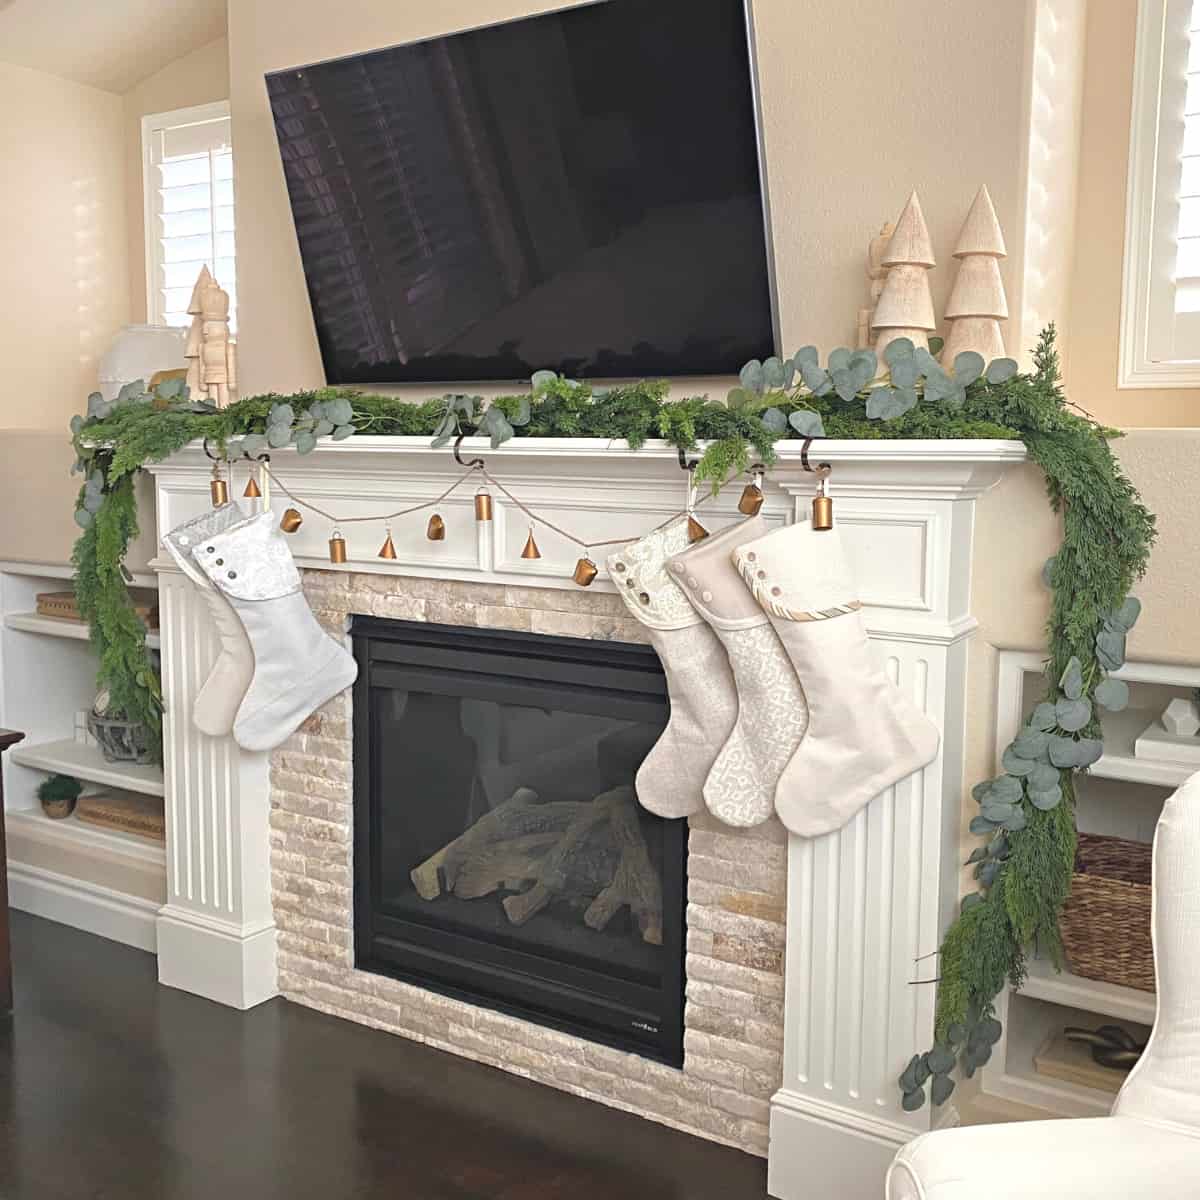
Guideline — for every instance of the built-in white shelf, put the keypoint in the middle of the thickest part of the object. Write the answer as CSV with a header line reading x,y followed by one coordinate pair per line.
x,y
33,622
69,757
72,833
1092,995
1119,762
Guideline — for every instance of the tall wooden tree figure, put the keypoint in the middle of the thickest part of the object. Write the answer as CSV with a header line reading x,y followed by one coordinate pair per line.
x,y
905,307
977,301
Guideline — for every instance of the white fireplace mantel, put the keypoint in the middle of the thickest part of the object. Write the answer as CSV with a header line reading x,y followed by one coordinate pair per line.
x,y
865,904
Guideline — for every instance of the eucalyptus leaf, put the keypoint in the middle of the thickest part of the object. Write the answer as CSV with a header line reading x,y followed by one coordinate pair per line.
x,y
543,379
806,354
845,383
306,442
1046,799
1001,370
1006,790
278,436
339,411
83,518
1014,764
987,873
904,372
775,420
885,404
1113,694
773,374
1088,751
912,1101
1125,618
342,432
968,367
956,1034
254,444
936,344
897,350
1043,777
941,1089
323,428
998,813
281,414
980,825
908,1077
981,791
753,377
923,1072
1064,752
816,379
1043,717
838,359
1048,571
974,900
76,423
807,423
1073,715
1110,649
941,1059
1016,822
979,854
1031,743
524,410
1071,681
739,398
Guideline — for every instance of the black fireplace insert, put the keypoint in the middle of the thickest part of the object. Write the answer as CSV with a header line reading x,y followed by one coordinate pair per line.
x,y
500,853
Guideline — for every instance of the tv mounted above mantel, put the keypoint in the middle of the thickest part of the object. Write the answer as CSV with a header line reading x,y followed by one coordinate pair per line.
x,y
579,190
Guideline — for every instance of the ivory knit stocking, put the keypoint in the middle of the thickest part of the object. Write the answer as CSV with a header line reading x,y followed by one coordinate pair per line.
x,y
864,734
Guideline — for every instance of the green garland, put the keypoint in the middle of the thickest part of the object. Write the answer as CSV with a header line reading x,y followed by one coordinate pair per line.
x,y
1026,814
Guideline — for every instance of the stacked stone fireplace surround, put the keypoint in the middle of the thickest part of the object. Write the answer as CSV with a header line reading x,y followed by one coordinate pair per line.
x,y
733,1041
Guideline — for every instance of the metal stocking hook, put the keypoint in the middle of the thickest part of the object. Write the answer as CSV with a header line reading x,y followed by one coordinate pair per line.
x,y
476,463
822,505
821,468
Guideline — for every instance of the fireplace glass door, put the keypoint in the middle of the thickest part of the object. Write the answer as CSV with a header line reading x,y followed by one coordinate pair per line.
x,y
501,853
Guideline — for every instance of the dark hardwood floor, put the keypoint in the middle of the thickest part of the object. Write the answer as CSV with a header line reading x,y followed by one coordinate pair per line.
x,y
113,1088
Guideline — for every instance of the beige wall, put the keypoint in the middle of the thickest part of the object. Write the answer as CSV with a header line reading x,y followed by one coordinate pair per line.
x,y
1095,311
62,243
201,77
841,159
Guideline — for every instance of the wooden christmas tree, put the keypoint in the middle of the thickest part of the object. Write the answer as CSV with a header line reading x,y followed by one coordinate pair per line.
x,y
876,275
977,302
905,307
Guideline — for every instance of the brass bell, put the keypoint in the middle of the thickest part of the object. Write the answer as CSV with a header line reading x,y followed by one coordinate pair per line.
x,y
291,521
218,488
531,547
435,531
388,550
822,505
585,572
483,505
696,531
337,548
252,491
752,497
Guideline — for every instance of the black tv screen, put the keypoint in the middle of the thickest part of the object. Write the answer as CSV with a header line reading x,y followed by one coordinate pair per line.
x,y
579,191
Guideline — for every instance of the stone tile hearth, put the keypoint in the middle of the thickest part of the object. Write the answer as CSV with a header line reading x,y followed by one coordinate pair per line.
x,y
736,899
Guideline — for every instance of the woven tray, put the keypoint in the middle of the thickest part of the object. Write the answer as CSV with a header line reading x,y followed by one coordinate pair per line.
x,y
64,606
1105,922
142,815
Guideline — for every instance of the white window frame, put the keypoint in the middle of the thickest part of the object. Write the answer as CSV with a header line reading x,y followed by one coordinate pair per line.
x,y
1152,210
150,124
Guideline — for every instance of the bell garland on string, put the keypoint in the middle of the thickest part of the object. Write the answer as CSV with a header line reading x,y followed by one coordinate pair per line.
x,y
531,547
218,488
752,498
435,531
337,547
388,549
291,520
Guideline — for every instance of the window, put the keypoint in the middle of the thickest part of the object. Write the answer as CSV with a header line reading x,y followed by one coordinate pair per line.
x,y
1160,316
188,173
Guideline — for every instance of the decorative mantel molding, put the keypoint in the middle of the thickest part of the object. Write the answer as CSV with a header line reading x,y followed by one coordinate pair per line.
x,y
864,904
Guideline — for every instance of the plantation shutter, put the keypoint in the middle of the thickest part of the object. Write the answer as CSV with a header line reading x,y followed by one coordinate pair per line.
x,y
189,209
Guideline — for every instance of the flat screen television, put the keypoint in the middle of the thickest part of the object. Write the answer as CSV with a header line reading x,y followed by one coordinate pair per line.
x,y
579,191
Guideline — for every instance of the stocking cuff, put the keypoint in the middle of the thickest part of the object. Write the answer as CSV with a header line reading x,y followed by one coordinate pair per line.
x,y
711,582
183,539
799,574
640,573
251,561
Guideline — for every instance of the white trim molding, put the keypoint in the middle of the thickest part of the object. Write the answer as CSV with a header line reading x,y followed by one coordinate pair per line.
x,y
1148,314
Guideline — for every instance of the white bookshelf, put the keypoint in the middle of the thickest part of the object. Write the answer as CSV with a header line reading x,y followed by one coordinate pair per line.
x,y
1122,795
106,881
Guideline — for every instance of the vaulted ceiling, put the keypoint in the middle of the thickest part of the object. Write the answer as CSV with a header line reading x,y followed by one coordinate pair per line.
x,y
110,44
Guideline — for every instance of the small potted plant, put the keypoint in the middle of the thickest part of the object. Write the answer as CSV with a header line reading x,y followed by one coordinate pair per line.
x,y
58,795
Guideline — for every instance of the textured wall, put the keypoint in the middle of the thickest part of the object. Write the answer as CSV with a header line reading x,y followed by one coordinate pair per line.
x,y
737,882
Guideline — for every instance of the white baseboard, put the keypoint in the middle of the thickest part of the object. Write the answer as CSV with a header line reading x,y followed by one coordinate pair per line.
x,y
219,960
82,905
815,1154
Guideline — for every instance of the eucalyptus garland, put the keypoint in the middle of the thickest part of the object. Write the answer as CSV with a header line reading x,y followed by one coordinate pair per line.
x,y
1026,814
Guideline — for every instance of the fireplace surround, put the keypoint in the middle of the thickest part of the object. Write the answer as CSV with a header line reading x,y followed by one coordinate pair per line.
x,y
260,859
499,849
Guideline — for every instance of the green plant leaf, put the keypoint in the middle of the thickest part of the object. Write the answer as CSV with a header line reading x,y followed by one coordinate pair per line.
x,y
1043,717
83,518
306,442
1043,777
1001,370
1073,715
845,383
1088,751
773,374
1048,571
897,350
980,825
941,1089
904,372
908,1077
815,379
807,423
1125,618
541,380
1014,764
970,901
342,432
1071,681
339,411
1064,752
1016,822
968,367
913,1101
775,420
254,444
1110,649
1046,799
806,354
281,414
1031,743
941,1059
936,345
885,404
279,436
1113,694
997,812
753,377
1006,790
838,359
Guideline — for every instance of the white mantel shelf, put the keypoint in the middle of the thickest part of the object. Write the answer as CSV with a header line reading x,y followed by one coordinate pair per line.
x,y
865,904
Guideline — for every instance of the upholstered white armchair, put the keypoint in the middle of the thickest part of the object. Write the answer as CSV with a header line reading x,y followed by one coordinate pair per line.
x,y
1150,1145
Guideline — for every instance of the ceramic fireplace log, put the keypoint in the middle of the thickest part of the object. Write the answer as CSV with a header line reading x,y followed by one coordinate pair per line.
x,y
512,865
636,883
576,865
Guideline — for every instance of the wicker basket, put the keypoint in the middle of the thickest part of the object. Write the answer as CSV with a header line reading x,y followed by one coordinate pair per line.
x,y
120,741
1105,922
